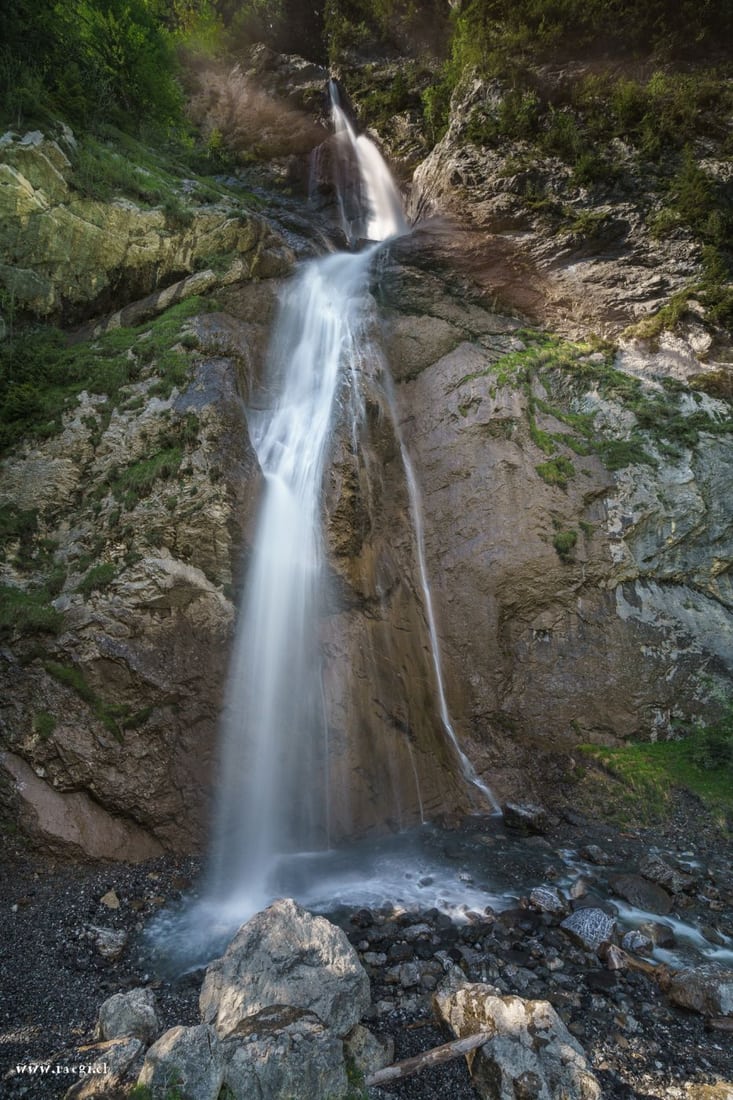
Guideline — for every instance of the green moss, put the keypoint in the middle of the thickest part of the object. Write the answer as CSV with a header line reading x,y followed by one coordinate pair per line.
x,y
41,375
556,471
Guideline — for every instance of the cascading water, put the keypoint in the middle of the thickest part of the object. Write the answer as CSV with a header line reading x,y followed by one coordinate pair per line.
x,y
274,791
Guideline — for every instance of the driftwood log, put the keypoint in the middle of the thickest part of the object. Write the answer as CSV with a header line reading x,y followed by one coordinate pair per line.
x,y
434,1057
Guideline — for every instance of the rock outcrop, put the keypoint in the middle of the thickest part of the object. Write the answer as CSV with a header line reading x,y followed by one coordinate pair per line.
x,y
68,255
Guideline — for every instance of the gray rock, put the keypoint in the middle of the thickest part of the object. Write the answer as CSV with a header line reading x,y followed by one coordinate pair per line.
x,y
661,934
528,1053
286,956
188,1058
705,989
547,899
525,817
596,855
283,1052
116,1055
109,943
130,1014
589,928
659,872
641,893
637,942
367,1052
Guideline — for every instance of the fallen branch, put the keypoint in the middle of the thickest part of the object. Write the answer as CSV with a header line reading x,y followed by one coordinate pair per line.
x,y
434,1057
720,1023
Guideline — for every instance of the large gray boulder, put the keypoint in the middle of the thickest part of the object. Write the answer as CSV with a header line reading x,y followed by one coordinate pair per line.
x,y
188,1059
130,1014
286,956
528,1053
284,1052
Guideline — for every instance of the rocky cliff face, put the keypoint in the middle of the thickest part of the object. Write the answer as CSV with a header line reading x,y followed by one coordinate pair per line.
x,y
579,546
577,528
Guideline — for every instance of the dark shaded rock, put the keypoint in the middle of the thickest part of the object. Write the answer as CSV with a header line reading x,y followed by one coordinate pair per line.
x,y
525,817
593,854
641,893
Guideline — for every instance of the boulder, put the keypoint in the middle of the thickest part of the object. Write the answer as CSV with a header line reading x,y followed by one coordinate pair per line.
x,y
283,1052
130,1014
595,855
286,956
187,1058
704,989
529,1052
589,928
641,893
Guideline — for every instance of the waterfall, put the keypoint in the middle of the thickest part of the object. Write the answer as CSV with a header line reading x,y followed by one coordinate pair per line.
x,y
273,796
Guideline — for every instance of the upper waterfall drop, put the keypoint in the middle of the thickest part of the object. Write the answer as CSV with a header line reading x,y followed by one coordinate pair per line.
x,y
381,214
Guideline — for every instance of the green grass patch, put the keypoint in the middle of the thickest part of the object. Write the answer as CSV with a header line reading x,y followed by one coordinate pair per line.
x,y
564,542
27,611
138,480
97,579
44,724
617,454
648,771
556,471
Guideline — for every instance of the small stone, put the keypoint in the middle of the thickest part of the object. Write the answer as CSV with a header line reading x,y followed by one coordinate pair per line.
x,y
589,928
110,899
637,942
593,854
547,900
130,1014
661,934
109,943
705,989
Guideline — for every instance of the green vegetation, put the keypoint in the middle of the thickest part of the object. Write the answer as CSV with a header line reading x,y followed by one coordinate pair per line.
x,y
138,479
564,542
701,763
556,471
97,579
44,724
114,717
24,611
41,375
